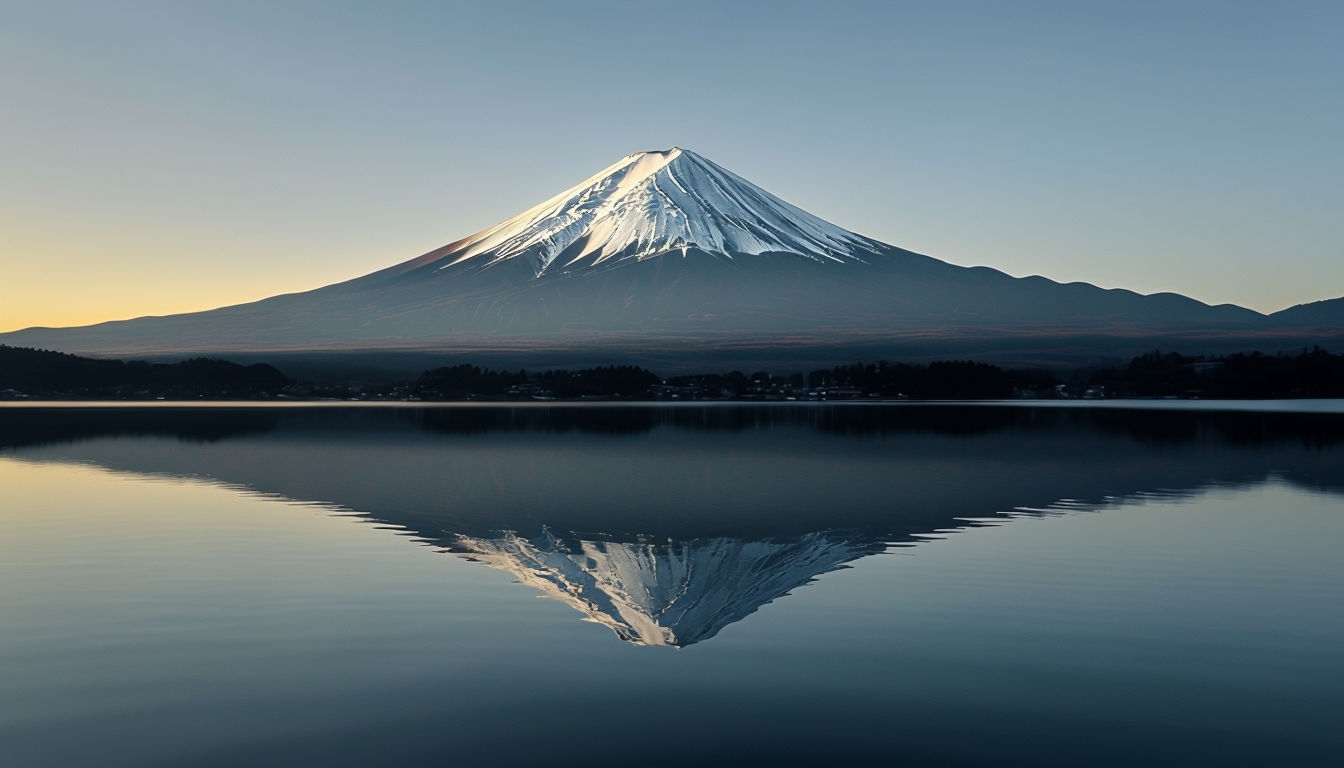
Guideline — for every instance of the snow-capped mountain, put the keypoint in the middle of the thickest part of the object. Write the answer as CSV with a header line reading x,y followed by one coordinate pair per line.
x,y
664,256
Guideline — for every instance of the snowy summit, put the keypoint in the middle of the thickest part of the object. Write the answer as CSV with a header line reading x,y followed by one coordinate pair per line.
x,y
651,204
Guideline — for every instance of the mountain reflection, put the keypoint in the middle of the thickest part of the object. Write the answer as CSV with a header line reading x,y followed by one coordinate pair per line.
x,y
670,592
667,524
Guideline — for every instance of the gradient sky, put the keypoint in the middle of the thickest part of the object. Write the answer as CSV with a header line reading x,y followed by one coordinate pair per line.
x,y
160,157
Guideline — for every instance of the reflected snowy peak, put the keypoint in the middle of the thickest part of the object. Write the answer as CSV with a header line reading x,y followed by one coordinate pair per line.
x,y
669,592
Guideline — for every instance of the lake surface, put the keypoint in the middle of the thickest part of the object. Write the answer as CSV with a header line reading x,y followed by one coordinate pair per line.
x,y
819,583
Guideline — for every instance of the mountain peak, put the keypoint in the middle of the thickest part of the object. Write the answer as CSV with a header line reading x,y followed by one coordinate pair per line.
x,y
666,154
652,204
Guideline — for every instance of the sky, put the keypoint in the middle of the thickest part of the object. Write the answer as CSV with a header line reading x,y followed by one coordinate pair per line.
x,y
163,157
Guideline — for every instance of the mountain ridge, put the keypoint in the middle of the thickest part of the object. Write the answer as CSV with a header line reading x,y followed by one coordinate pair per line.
x,y
666,251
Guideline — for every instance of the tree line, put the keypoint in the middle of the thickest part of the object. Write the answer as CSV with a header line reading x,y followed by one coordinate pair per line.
x,y
1253,375
40,373
1311,373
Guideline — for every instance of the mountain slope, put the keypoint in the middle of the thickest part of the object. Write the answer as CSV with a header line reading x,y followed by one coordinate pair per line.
x,y
667,251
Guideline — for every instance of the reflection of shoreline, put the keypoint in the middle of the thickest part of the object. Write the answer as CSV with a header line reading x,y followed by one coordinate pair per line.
x,y
23,427
1247,421
574,468
666,593
772,470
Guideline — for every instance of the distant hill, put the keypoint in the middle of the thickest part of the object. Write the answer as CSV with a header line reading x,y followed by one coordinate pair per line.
x,y
1324,314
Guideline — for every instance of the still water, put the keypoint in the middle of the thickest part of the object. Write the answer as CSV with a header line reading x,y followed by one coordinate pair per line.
x,y
817,583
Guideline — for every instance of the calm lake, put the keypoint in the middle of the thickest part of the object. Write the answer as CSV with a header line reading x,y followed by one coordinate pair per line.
x,y
847,583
